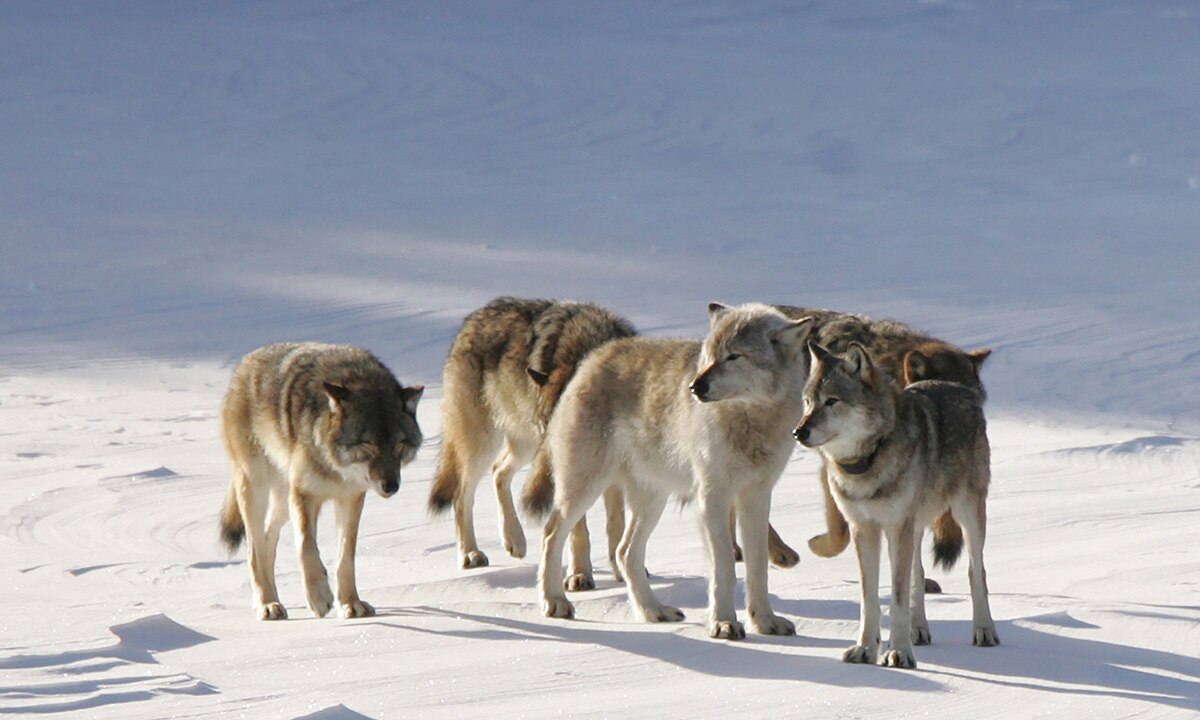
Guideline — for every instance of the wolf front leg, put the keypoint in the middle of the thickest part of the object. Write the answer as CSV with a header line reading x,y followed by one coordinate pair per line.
x,y
714,520
866,546
972,514
900,551
753,509
349,512
304,508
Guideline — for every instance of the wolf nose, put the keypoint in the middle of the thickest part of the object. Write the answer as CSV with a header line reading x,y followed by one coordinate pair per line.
x,y
390,487
699,387
801,434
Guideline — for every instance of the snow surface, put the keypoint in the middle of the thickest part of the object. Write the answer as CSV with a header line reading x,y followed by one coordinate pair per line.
x,y
182,182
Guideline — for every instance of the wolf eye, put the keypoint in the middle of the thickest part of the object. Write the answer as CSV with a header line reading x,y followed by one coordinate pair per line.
x,y
830,402
732,357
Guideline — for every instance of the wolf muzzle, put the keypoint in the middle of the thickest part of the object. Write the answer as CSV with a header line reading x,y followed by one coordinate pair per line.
x,y
802,433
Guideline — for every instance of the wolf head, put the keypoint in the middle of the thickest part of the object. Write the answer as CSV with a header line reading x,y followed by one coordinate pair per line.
x,y
752,353
848,402
935,360
373,431
562,336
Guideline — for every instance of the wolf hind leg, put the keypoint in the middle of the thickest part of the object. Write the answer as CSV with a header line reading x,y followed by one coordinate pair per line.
x,y
920,623
645,509
514,456
263,507
573,501
971,512
473,459
614,526
581,576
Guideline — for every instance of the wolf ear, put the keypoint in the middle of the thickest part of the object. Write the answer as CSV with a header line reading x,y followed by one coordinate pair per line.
x,y
858,362
818,354
795,332
916,367
409,396
336,394
977,357
716,311
538,377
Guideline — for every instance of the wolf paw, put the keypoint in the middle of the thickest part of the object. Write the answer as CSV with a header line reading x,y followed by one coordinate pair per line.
x,y
579,582
920,634
932,587
553,607
899,659
474,559
662,613
985,636
773,625
859,654
320,600
356,609
737,553
727,630
271,611
515,546
784,557
825,546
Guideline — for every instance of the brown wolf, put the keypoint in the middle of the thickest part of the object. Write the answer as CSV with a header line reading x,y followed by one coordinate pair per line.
x,y
304,423
896,460
906,356
506,369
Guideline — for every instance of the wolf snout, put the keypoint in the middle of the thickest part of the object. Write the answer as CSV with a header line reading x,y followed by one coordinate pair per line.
x,y
801,433
699,388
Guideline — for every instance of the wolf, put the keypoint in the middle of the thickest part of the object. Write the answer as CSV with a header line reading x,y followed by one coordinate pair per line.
x,y
661,417
906,355
896,460
506,369
304,423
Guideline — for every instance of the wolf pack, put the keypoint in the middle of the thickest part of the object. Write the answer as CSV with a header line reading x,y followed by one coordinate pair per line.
x,y
596,410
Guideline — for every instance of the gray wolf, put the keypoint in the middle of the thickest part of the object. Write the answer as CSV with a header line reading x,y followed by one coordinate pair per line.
x,y
896,460
304,423
708,421
904,354
507,368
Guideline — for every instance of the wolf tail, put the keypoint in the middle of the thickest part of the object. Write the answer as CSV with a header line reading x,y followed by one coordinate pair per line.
x,y
446,480
538,496
233,527
947,541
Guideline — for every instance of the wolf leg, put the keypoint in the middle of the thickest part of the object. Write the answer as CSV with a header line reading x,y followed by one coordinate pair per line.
x,y
866,546
573,501
614,516
782,555
920,623
645,509
304,510
514,456
837,535
972,515
349,512
263,521
900,550
753,508
714,518
581,576
464,514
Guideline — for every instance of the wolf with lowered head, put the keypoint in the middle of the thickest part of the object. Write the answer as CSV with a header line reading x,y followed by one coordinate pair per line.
x,y
304,423
505,372
896,460
709,421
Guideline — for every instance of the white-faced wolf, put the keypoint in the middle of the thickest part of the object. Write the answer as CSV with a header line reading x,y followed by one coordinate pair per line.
x,y
304,423
707,420
896,460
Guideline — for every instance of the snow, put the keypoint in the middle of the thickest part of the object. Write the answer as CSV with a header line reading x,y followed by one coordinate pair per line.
x,y
181,183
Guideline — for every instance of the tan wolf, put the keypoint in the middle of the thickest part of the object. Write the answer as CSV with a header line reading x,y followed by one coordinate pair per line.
x,y
659,417
504,374
304,423
897,460
905,355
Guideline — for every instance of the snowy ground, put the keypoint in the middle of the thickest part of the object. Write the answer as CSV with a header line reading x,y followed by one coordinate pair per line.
x,y
180,183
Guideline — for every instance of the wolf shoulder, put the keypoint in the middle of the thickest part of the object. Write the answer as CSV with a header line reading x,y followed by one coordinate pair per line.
x,y
954,410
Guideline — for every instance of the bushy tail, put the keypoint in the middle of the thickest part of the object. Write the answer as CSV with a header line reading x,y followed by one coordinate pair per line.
x,y
538,496
446,480
233,527
947,541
